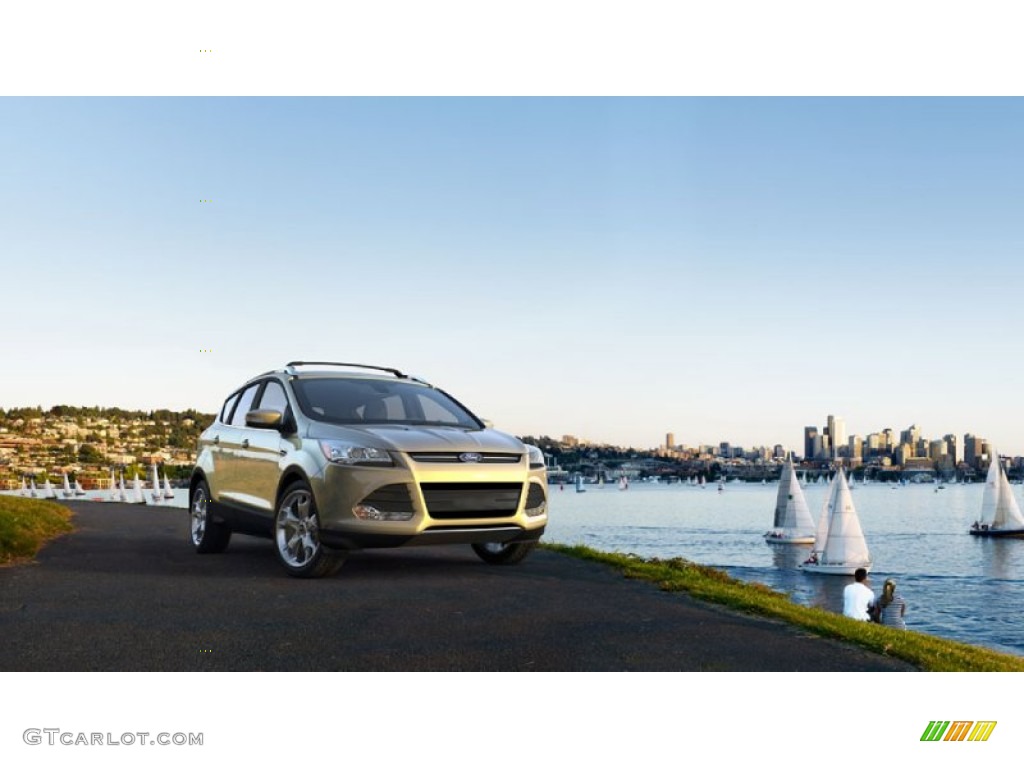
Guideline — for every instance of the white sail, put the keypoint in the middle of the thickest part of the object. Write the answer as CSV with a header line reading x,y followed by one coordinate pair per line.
x,y
825,520
113,487
999,508
32,488
792,516
121,495
845,544
79,490
622,483
67,487
48,491
155,483
990,496
168,491
24,488
138,496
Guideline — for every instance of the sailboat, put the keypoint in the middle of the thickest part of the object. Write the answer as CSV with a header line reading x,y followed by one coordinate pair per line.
x,y
67,492
79,490
121,495
138,497
623,483
168,491
793,522
32,488
155,482
839,545
1000,515
48,491
24,488
579,484
113,488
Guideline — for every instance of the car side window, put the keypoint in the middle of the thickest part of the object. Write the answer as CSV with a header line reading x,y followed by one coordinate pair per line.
x,y
244,405
273,397
225,413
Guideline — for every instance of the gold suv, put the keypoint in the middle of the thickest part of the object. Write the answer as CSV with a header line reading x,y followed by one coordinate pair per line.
x,y
326,458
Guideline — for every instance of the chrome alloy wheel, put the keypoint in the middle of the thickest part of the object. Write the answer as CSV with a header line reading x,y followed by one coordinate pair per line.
x,y
198,516
297,531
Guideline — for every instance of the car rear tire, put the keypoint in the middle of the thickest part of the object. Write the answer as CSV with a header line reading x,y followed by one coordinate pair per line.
x,y
497,553
297,535
207,536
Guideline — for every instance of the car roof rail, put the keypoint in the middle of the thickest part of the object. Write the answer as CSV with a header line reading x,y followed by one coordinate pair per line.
x,y
290,367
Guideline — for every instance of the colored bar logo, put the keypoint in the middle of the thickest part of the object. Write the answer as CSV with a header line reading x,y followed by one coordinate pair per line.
x,y
958,730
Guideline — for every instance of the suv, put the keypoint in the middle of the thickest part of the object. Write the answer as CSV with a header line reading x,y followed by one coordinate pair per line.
x,y
329,461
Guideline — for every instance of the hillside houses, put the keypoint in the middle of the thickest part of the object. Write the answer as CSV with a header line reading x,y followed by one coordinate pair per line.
x,y
87,442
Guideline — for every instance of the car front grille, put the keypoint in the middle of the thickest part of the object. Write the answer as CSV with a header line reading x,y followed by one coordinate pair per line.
x,y
464,501
452,457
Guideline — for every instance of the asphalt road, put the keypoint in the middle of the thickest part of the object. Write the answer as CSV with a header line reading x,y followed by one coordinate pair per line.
x,y
126,592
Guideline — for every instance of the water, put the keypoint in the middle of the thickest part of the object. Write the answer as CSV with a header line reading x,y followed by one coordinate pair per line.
x,y
956,585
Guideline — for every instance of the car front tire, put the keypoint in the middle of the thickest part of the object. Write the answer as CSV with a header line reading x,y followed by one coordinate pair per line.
x,y
297,535
504,554
207,536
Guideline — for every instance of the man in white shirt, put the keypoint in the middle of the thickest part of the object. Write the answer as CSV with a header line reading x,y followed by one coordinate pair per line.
x,y
858,597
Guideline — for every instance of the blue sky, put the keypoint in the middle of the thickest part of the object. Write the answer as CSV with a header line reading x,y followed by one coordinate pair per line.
x,y
725,269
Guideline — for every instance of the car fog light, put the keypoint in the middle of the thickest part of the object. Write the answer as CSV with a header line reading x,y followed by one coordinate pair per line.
x,y
366,512
537,511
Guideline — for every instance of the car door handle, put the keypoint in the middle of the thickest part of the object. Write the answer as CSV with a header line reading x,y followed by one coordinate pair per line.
x,y
245,443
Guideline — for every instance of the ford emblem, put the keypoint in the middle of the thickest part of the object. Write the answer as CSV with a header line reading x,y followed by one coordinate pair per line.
x,y
470,458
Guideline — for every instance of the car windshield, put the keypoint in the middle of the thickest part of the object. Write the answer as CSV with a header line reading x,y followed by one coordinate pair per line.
x,y
376,401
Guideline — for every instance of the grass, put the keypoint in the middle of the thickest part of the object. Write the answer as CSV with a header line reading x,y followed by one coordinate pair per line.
x,y
927,652
27,524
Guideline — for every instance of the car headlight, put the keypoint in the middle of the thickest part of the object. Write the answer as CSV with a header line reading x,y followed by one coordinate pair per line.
x,y
536,456
340,452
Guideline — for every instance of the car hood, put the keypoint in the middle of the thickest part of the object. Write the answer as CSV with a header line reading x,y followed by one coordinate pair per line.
x,y
421,439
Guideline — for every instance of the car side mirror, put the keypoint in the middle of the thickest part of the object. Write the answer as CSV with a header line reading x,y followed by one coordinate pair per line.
x,y
488,424
264,419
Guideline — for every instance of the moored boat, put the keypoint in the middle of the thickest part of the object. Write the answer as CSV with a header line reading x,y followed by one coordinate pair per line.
x,y
168,491
155,483
138,496
1000,514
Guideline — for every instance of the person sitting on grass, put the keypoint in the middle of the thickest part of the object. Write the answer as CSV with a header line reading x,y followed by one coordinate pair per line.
x,y
858,598
891,607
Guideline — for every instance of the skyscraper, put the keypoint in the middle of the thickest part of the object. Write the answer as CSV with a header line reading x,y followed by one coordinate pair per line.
x,y
810,434
856,447
952,449
836,434
912,436
972,449
670,442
